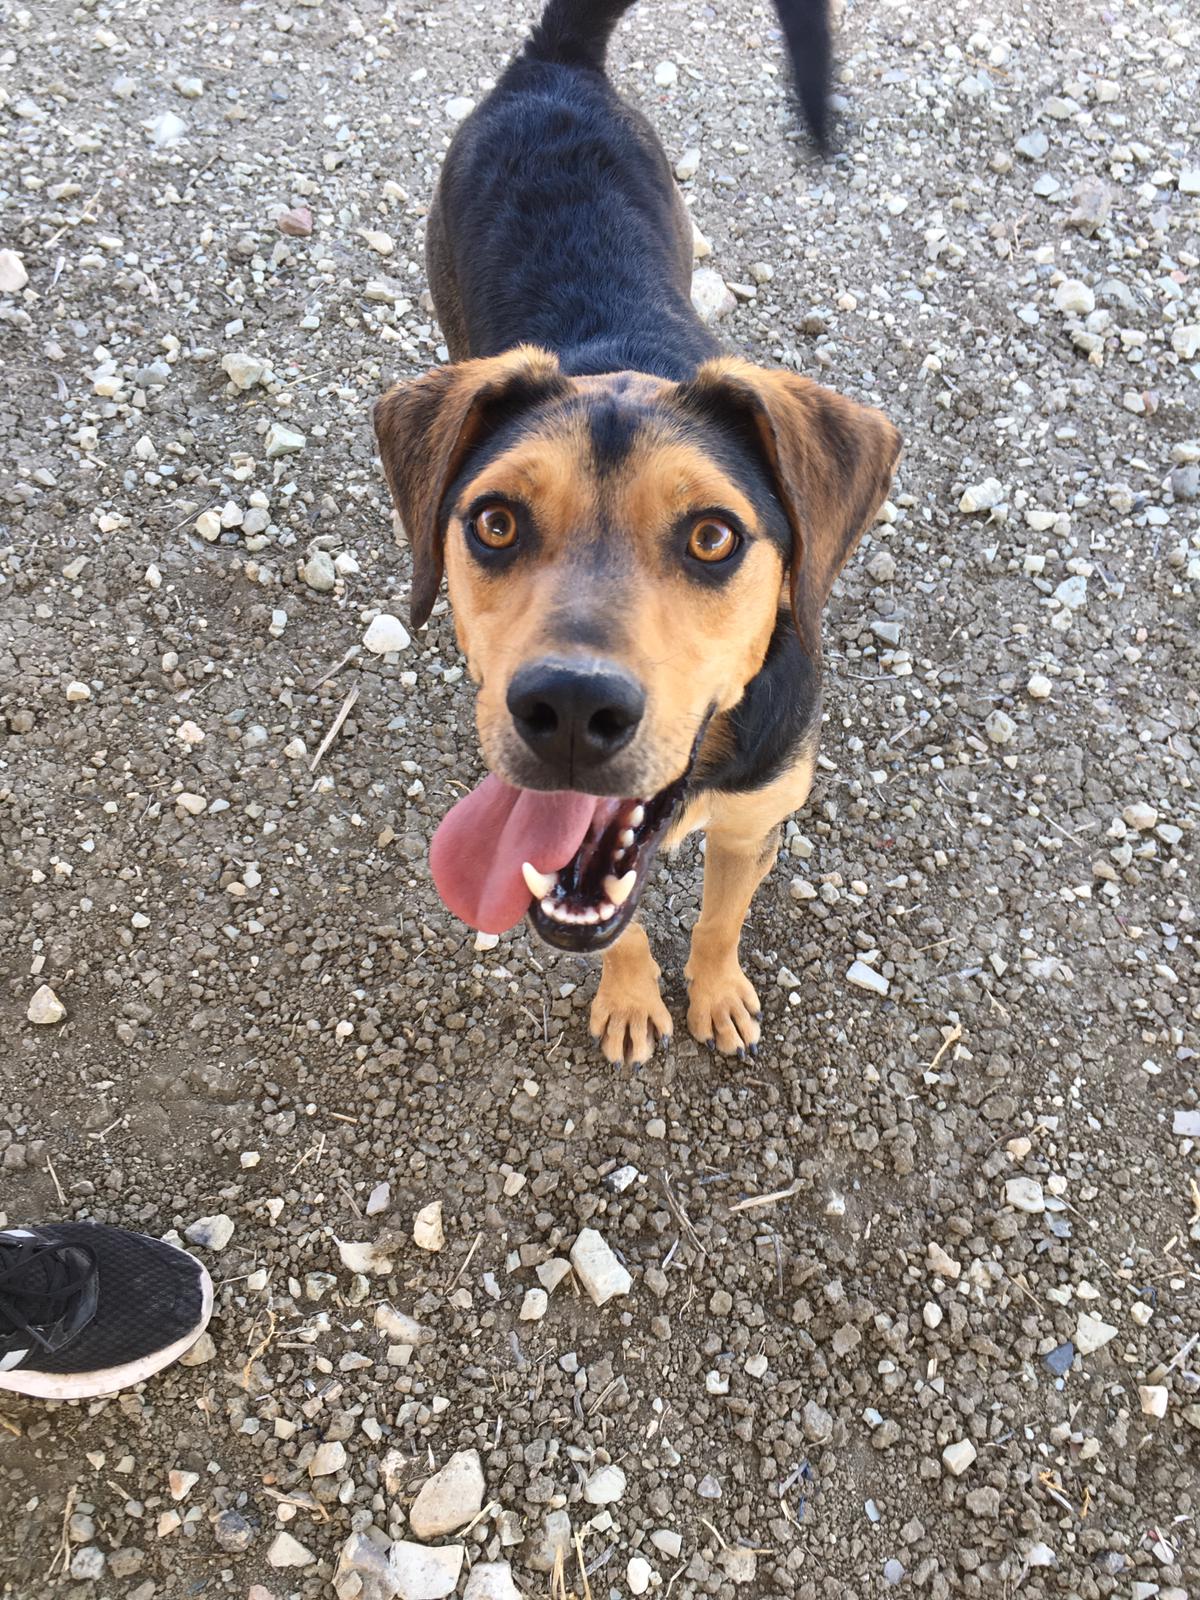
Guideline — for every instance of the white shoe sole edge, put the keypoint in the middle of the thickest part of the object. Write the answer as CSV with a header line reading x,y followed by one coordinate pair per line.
x,y
91,1385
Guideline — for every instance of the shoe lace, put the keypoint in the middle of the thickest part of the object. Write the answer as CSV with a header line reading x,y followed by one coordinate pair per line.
x,y
38,1281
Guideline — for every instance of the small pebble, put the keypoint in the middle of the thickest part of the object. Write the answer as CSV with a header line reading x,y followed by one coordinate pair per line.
x,y
45,1008
285,1551
958,1457
428,1232
597,1268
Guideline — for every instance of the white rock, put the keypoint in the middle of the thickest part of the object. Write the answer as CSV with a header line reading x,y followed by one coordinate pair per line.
x,y
288,1552
386,633
491,1580
1075,298
1140,816
201,1353
1186,1124
668,1541
1185,341
688,165
45,1007
319,572
450,1498
428,1232
605,1486
1189,180
328,1458
13,276
77,692
193,804
1000,727
243,371
379,1199
666,74
182,1483
940,1263
711,300
982,496
281,441
382,243
534,1305
210,1233
931,1314
638,1574
1025,1194
701,249
864,977
551,1273
188,733
459,108
400,1327
1072,591
1039,686
1033,146
597,1268
423,1574
88,1563
364,1258
958,1457
1040,1555
1092,1334
167,129
208,525
1154,1398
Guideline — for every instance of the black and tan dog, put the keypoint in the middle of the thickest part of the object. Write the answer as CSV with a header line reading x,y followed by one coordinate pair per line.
x,y
639,532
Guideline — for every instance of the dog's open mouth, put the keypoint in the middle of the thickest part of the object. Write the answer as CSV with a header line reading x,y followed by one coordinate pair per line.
x,y
574,863
586,904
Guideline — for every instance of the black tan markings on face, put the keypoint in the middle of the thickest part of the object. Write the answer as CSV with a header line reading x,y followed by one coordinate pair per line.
x,y
606,490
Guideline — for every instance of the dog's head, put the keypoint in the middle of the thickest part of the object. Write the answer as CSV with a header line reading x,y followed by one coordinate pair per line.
x,y
618,550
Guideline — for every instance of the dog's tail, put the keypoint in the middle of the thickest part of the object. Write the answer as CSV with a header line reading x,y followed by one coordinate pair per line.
x,y
575,33
805,25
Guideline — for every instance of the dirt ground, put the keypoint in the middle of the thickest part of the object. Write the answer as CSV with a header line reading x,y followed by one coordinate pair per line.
x,y
915,1295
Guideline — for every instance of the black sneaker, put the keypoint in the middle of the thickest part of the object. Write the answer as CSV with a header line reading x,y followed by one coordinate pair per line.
x,y
86,1309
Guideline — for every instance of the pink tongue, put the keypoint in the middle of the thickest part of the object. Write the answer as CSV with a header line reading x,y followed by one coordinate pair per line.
x,y
480,843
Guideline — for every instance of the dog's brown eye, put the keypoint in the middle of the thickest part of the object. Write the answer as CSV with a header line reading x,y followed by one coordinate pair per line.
x,y
495,526
712,540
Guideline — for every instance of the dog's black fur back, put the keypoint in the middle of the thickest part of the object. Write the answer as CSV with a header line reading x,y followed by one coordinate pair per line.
x,y
576,33
557,221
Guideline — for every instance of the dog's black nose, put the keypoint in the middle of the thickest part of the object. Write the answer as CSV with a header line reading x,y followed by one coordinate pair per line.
x,y
575,714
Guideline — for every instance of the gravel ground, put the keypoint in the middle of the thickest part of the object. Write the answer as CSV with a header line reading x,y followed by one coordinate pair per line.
x,y
914,1298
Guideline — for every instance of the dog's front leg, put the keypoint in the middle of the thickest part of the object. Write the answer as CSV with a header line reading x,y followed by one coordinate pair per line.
x,y
723,1007
628,1016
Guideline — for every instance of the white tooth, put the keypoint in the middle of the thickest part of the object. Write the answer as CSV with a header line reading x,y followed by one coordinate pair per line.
x,y
637,816
618,890
548,907
538,883
607,912
626,838
591,915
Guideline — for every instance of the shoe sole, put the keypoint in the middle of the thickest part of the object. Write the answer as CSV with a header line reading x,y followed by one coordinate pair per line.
x,y
107,1380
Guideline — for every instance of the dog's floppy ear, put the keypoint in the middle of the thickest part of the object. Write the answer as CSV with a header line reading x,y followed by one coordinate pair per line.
x,y
425,428
831,458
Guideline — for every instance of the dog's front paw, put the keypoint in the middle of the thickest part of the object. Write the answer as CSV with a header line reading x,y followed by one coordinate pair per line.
x,y
723,1008
629,1019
